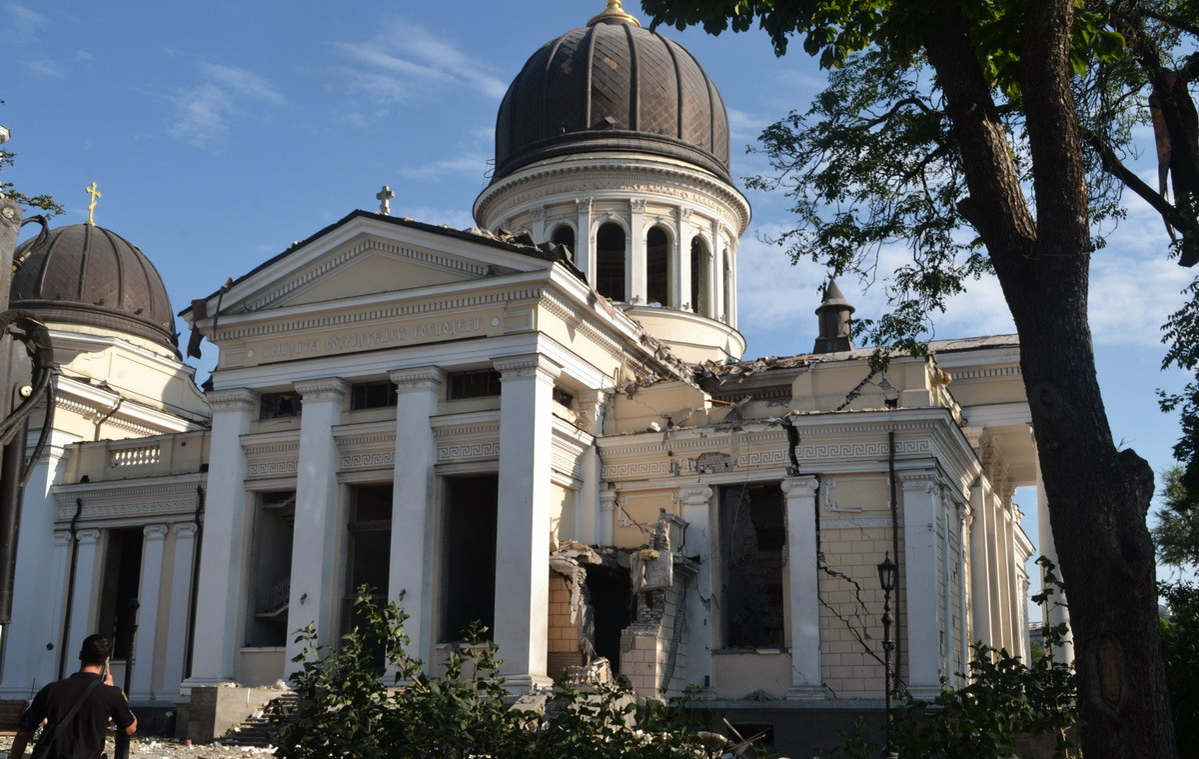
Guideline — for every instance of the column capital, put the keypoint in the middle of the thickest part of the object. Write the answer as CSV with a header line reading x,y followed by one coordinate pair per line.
x,y
87,537
918,482
637,205
320,390
801,487
696,496
184,530
526,366
154,531
232,399
583,204
62,538
538,213
417,379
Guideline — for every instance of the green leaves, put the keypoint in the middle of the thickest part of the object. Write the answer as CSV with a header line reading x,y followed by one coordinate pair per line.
x,y
347,709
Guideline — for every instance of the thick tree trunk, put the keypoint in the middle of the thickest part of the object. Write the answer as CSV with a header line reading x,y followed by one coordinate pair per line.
x,y
1098,495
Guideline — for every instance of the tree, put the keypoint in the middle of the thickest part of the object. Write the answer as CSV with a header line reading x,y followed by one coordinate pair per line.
x,y
987,137
1176,533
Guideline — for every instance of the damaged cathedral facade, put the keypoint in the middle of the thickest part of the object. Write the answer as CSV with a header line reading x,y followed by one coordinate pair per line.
x,y
543,423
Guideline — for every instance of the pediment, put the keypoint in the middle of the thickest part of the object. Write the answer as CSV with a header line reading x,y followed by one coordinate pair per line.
x,y
366,266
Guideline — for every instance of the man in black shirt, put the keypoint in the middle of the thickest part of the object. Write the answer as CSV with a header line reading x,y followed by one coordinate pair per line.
x,y
83,736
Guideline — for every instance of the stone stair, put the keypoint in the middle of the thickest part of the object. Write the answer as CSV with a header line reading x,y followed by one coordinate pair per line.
x,y
257,730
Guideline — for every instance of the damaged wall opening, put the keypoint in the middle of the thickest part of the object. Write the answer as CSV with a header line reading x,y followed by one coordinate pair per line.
x,y
369,546
270,569
611,597
468,551
752,539
122,578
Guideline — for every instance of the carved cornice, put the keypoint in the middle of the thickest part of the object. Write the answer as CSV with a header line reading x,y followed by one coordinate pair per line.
x,y
235,399
366,447
142,499
328,389
376,313
273,457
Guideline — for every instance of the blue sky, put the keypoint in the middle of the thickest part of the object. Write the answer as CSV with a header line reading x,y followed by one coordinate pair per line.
x,y
219,132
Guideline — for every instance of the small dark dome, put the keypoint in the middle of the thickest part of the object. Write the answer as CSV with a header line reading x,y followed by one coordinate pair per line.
x,y
88,275
612,85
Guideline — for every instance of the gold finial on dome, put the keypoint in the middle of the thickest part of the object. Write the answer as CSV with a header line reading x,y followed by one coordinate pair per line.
x,y
614,13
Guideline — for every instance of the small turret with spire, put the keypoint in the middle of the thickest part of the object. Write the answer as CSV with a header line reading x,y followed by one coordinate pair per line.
x,y
834,313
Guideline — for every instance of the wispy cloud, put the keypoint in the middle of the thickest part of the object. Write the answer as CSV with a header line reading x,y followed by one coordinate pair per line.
x,y
23,25
472,163
204,112
45,68
405,55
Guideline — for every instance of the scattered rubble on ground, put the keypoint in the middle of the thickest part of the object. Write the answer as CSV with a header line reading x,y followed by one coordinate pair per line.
x,y
159,748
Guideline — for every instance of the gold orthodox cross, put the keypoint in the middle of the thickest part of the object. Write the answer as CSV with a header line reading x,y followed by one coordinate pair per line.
x,y
91,208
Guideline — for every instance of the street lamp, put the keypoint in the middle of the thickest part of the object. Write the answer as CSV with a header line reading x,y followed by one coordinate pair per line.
x,y
887,572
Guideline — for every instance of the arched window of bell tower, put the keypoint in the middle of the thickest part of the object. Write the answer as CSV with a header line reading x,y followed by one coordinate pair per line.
x,y
610,255
701,276
657,266
564,234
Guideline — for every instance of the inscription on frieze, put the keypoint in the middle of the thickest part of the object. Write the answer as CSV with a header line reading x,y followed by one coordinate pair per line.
x,y
370,338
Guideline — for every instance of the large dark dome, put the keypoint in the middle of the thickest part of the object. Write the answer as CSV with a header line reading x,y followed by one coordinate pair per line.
x,y
612,85
91,276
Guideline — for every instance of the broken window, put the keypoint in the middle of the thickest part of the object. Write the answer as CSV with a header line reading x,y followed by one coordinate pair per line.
x,y
565,235
609,261
119,586
752,540
481,383
700,276
379,394
279,405
657,267
468,554
270,569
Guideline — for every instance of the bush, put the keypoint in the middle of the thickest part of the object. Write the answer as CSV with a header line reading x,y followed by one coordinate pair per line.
x,y
346,709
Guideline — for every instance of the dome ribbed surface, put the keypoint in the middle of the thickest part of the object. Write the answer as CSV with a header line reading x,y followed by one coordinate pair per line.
x,y
88,275
612,86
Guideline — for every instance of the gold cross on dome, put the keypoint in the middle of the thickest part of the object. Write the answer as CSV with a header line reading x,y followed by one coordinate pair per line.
x,y
91,208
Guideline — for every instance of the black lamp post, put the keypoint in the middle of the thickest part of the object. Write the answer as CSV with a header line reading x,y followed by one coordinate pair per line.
x,y
121,747
887,572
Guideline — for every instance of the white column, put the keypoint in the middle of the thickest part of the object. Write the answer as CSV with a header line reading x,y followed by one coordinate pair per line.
x,y
219,592
994,568
1013,582
410,578
86,586
153,543
636,259
946,590
584,260
537,228
697,512
607,517
315,592
980,584
588,525
682,272
716,272
804,602
39,592
963,613
1056,612
523,518
920,587
180,606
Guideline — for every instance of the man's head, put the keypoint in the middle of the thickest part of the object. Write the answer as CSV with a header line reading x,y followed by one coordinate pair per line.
x,y
95,649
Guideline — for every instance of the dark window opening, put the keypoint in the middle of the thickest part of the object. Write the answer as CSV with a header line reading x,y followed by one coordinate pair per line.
x,y
369,558
121,580
562,397
564,235
752,539
280,405
270,569
482,383
609,262
379,394
657,267
469,549
699,276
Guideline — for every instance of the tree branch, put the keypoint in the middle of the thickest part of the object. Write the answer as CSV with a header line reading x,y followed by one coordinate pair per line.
x,y
1113,166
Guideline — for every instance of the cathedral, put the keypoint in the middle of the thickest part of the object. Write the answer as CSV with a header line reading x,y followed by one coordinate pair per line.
x,y
544,423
